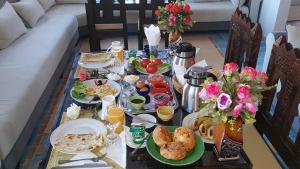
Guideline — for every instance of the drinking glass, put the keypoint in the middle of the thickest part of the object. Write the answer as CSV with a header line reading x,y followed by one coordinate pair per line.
x,y
115,119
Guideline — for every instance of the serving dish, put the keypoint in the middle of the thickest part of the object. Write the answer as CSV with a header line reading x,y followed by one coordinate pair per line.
x,y
192,156
130,90
96,62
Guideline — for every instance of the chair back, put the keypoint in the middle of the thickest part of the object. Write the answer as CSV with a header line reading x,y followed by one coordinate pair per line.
x,y
106,18
244,40
278,116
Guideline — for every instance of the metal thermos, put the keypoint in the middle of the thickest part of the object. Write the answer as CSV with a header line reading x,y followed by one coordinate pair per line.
x,y
190,97
185,55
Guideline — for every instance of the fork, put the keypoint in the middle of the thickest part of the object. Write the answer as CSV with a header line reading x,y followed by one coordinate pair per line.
x,y
94,159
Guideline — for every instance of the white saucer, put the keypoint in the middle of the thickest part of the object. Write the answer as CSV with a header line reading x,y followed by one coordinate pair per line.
x,y
146,117
129,139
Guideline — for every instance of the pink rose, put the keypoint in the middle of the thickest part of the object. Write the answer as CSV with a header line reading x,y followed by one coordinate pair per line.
x,y
176,9
251,108
243,92
157,12
172,20
188,20
82,76
237,110
212,89
203,95
229,68
249,72
169,7
262,76
224,101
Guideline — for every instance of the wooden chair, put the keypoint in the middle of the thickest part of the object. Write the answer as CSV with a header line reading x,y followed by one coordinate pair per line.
x,y
244,40
103,23
279,112
144,19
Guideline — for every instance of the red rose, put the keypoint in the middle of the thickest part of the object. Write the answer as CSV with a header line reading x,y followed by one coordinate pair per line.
x,y
176,9
172,20
157,12
169,6
187,8
188,20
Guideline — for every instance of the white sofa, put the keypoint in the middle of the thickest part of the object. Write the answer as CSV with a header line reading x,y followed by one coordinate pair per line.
x,y
30,68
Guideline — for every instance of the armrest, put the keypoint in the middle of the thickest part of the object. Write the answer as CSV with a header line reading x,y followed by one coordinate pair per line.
x,y
270,40
254,8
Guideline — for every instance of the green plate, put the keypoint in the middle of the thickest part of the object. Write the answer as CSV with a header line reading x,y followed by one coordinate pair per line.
x,y
192,156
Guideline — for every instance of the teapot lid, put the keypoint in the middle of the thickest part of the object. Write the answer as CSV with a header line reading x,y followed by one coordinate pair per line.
x,y
184,47
197,72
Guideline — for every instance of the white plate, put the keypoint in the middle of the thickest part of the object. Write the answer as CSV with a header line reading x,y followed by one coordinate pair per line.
x,y
129,139
188,122
79,126
96,65
147,117
90,83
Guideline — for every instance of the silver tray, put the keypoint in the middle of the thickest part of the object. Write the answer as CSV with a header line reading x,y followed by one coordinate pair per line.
x,y
129,90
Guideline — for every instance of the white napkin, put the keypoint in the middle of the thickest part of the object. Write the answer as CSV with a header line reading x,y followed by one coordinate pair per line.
x,y
117,151
153,35
180,71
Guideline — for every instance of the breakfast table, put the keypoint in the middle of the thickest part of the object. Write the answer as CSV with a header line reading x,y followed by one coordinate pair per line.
x,y
141,158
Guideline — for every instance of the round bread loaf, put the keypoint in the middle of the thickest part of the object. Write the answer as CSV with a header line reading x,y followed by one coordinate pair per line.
x,y
186,136
173,151
161,135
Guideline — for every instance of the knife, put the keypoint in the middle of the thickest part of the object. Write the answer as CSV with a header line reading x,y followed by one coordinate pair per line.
x,y
86,165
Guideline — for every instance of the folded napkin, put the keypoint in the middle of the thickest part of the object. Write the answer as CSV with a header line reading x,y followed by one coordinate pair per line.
x,y
180,71
153,35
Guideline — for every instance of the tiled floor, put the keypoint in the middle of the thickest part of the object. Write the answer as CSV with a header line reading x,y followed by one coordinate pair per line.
x,y
35,151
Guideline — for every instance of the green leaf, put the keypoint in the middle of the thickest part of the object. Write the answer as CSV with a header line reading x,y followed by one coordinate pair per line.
x,y
164,67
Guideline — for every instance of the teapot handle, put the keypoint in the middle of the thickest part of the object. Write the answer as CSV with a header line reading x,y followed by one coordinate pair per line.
x,y
214,77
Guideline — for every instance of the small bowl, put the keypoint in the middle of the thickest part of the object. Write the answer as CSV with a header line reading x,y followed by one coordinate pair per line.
x,y
161,99
155,78
161,87
131,79
165,113
143,93
137,106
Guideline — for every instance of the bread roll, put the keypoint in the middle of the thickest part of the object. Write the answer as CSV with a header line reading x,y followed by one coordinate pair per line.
x,y
161,135
173,151
186,136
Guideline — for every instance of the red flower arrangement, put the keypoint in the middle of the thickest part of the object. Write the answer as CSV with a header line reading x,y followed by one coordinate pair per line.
x,y
175,17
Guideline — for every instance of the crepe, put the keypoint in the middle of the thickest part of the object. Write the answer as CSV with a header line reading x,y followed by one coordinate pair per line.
x,y
95,57
77,143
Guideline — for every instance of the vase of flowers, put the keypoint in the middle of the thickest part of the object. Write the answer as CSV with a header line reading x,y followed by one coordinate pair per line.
x,y
175,18
232,102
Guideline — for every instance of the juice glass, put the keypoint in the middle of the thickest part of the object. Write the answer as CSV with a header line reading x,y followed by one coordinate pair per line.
x,y
116,115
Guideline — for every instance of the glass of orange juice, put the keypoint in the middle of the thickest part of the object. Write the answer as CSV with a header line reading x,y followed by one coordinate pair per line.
x,y
117,49
116,119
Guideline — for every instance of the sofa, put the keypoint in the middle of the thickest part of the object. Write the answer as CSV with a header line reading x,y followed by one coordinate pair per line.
x,y
31,67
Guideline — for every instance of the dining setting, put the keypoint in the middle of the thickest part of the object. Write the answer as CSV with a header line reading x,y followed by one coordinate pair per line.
x,y
163,108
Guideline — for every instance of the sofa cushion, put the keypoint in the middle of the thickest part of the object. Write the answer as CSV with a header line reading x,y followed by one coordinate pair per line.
x,y
203,0
29,10
30,61
77,10
214,11
71,1
11,26
293,35
47,4
238,3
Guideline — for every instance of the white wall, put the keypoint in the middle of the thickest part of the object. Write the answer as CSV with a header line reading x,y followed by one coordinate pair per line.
x,y
273,15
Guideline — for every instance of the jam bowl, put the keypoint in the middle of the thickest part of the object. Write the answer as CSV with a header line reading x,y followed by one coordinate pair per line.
x,y
143,91
161,99
155,78
161,87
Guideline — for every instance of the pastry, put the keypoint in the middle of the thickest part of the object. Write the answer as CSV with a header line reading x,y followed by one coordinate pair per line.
x,y
198,121
161,136
173,151
186,136
206,128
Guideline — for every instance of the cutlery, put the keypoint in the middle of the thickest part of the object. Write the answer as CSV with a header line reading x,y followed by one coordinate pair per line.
x,y
136,149
94,159
86,165
141,119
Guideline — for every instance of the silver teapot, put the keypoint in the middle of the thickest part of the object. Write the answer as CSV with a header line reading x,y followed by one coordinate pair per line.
x,y
190,97
185,55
